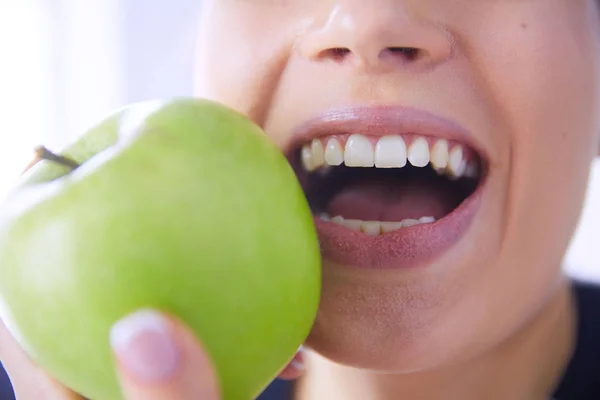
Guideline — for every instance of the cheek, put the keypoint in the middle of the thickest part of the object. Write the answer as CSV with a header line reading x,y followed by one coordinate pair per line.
x,y
237,64
548,93
228,74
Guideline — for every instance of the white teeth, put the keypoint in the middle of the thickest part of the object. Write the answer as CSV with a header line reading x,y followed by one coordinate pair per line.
x,y
307,158
318,153
390,152
440,155
410,222
334,154
391,226
426,220
375,228
324,216
359,152
472,171
456,163
371,228
418,152
353,224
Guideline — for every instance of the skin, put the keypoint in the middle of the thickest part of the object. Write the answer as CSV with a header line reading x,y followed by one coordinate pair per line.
x,y
493,317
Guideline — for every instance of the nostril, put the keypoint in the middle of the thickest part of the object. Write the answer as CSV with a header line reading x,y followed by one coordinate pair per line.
x,y
408,53
340,54
336,53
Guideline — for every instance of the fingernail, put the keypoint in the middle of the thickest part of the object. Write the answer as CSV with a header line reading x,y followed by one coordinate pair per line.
x,y
144,346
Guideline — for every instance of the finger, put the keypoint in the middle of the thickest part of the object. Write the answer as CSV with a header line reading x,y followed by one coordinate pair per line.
x,y
28,380
295,368
158,358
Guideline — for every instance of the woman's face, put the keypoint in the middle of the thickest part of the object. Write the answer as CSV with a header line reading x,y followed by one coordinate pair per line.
x,y
514,84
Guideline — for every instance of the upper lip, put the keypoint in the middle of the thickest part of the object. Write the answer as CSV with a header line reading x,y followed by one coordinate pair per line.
x,y
381,121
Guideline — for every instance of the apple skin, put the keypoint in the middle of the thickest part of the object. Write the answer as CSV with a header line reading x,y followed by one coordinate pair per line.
x,y
183,206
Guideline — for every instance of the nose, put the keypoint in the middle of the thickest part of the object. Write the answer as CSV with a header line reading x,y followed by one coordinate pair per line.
x,y
376,34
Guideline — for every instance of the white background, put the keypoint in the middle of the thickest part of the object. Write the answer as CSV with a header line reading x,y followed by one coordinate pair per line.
x,y
66,63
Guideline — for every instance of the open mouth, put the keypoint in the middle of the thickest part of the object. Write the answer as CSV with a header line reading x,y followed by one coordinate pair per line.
x,y
406,196
380,185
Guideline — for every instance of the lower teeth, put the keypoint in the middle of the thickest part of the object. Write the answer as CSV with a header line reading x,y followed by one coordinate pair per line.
x,y
375,228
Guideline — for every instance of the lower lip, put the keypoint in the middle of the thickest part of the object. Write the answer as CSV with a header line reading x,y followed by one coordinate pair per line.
x,y
412,247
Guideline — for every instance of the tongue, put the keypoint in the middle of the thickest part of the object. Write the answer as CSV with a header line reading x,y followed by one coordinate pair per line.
x,y
389,200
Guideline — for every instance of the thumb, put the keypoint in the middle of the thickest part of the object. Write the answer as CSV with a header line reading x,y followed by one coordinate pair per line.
x,y
158,358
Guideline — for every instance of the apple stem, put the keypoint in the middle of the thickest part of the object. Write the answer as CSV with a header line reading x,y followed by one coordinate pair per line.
x,y
42,153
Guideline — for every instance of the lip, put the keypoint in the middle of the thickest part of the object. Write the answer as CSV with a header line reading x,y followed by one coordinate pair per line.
x,y
412,247
405,248
381,121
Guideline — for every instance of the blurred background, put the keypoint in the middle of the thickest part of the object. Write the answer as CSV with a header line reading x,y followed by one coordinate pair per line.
x,y
67,63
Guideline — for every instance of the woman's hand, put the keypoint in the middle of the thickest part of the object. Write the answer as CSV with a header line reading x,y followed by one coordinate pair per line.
x,y
157,358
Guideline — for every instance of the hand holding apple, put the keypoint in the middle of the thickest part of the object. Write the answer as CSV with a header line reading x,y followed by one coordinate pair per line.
x,y
185,207
191,377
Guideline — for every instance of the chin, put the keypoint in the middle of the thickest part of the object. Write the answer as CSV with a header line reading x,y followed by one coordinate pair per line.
x,y
405,322
393,322
398,345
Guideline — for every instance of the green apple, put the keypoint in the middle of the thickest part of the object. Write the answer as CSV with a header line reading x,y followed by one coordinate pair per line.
x,y
184,206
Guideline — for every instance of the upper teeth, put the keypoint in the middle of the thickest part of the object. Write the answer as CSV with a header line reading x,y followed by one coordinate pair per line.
x,y
388,152
418,152
439,154
359,152
334,154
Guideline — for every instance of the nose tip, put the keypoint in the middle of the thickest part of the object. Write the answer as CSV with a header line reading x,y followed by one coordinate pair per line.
x,y
376,37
